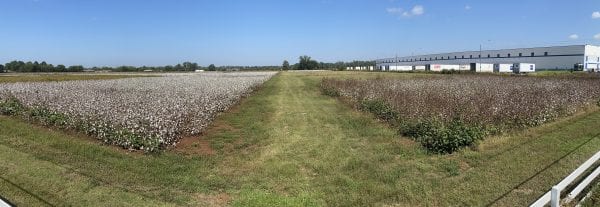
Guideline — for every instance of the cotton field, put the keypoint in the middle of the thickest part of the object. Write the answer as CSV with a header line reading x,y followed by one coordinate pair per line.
x,y
136,113
477,99
446,113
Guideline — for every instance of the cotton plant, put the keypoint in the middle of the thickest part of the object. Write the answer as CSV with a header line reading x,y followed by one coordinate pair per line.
x,y
147,113
478,99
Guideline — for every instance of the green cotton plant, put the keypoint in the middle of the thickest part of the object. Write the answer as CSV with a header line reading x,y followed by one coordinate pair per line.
x,y
329,91
47,117
435,136
10,106
438,137
446,113
380,108
511,102
146,114
110,135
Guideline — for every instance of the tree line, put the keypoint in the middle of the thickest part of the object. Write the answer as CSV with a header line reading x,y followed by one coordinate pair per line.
x,y
32,67
185,67
304,63
182,67
307,63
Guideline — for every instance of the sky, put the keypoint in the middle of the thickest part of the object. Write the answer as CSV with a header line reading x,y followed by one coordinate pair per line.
x,y
266,32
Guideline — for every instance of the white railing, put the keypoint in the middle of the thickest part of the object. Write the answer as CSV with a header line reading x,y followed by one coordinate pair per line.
x,y
3,203
553,196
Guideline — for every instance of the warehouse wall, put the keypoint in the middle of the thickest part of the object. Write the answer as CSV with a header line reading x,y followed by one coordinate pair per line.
x,y
560,57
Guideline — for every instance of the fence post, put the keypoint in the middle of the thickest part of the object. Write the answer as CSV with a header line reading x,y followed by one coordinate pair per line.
x,y
555,197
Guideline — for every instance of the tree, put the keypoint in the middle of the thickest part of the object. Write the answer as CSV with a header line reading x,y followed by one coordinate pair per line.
x,y
340,66
1,68
36,67
45,67
28,67
188,66
75,68
60,68
212,67
9,66
306,63
286,65
178,67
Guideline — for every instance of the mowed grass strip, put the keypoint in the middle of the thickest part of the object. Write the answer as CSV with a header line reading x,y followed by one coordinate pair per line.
x,y
172,177
289,145
322,152
13,78
61,169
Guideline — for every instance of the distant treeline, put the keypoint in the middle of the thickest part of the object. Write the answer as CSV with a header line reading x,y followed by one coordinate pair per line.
x,y
305,63
32,67
184,67
343,65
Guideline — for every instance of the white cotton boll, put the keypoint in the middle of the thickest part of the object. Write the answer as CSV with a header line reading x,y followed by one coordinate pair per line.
x,y
163,107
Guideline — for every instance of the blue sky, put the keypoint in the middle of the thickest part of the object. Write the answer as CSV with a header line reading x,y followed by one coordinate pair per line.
x,y
265,32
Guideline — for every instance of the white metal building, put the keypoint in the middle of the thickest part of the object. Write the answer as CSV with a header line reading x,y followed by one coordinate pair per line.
x,y
556,57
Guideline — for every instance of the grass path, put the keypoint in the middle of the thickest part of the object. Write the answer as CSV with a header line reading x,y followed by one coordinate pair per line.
x,y
318,151
323,153
288,145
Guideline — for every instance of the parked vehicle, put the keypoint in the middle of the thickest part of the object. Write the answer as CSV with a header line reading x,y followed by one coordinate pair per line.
x,y
503,68
419,67
523,67
482,67
464,67
578,67
439,67
401,68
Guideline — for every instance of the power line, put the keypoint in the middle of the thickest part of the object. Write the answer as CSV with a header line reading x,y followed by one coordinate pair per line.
x,y
542,170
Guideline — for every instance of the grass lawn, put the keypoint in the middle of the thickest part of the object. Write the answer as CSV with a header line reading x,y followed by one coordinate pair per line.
x,y
289,145
29,77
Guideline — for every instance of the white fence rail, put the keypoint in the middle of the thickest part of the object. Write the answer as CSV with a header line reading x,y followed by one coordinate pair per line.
x,y
3,203
553,196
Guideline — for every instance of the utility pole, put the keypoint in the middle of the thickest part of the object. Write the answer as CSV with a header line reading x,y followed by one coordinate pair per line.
x,y
480,51
396,61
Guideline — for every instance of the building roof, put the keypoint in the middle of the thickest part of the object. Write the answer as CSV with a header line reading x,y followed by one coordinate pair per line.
x,y
477,51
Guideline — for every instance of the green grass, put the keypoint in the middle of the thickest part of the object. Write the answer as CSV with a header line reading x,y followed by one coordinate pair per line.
x,y
15,77
564,73
289,145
